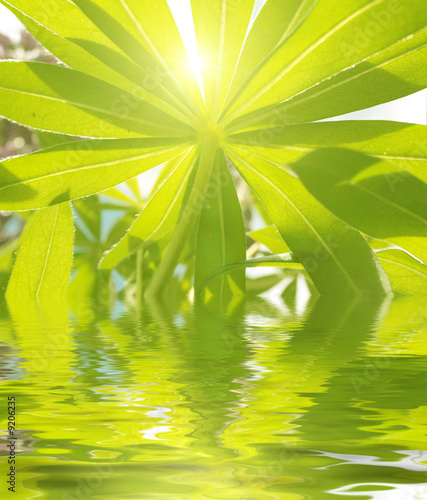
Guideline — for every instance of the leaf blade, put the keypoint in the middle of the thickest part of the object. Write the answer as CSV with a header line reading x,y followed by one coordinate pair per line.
x,y
81,41
273,25
270,237
221,236
221,27
138,30
327,35
404,144
78,169
361,190
336,256
159,216
47,250
70,102
286,261
407,275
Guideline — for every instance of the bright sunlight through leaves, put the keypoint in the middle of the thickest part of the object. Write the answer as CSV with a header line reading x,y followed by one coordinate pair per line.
x,y
234,109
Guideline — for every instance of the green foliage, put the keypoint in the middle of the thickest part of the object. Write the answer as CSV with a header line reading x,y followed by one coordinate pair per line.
x,y
130,92
159,217
324,244
71,171
43,265
221,235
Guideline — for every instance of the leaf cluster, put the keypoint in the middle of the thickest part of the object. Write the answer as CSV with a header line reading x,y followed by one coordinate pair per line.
x,y
344,201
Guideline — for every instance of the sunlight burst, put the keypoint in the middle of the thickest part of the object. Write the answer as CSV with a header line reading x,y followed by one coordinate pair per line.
x,y
181,10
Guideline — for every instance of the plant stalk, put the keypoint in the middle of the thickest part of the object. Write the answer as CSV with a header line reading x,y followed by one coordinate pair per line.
x,y
139,264
188,221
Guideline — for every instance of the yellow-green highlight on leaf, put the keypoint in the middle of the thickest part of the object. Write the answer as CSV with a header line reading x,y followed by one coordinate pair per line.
x,y
334,46
43,265
80,43
381,78
221,27
138,29
407,275
270,237
70,102
335,256
78,169
221,239
273,25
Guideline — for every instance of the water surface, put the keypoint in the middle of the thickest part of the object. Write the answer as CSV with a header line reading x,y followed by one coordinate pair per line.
x,y
268,402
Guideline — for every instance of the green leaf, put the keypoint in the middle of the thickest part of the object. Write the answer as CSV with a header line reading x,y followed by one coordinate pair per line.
x,y
186,226
83,46
383,77
138,29
407,275
270,237
286,261
42,268
370,195
221,27
132,83
366,48
272,27
79,169
335,256
70,102
67,51
50,139
159,217
403,144
221,236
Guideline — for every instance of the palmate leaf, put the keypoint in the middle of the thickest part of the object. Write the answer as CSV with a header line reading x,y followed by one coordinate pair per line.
x,y
337,45
221,237
42,268
336,257
308,60
71,171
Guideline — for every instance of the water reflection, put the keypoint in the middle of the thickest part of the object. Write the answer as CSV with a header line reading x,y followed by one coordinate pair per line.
x,y
265,403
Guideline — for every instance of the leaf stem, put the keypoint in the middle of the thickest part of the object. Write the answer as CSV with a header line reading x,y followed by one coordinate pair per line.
x,y
208,149
139,264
